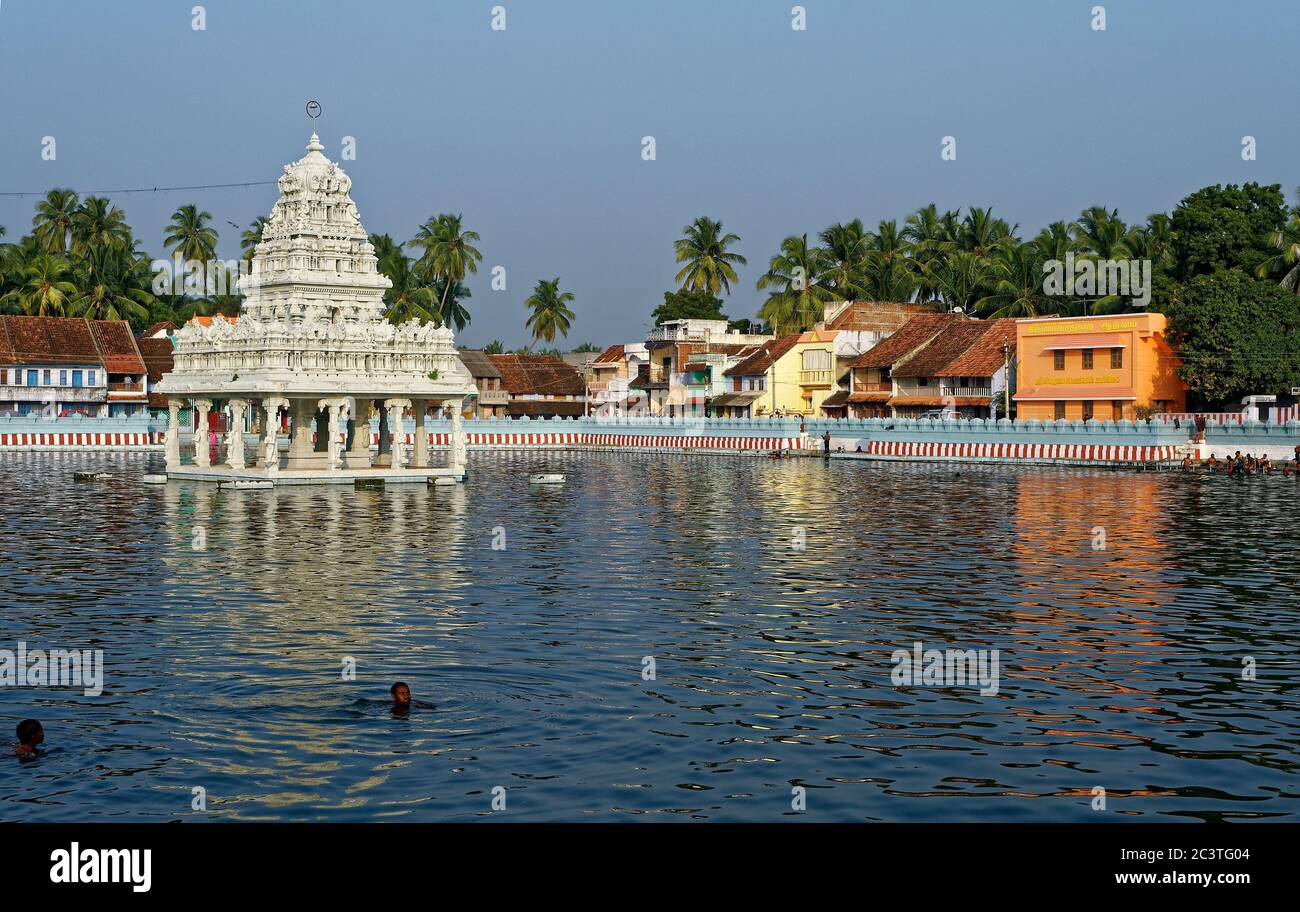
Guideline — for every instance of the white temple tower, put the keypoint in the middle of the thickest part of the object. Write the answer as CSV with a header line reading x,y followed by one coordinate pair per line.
x,y
311,339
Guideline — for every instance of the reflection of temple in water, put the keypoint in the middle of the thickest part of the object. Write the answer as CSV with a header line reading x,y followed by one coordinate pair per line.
x,y
316,563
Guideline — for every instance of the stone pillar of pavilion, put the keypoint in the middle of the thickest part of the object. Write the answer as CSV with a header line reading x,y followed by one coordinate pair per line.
x,y
334,409
235,433
458,453
270,459
358,454
172,445
202,453
420,456
395,408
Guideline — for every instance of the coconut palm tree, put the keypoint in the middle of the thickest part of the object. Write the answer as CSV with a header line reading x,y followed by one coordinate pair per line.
x,y
846,247
708,261
1018,284
190,236
550,311
1101,233
800,296
963,278
451,312
928,234
409,298
52,224
449,251
251,237
980,233
97,222
888,272
44,287
1153,242
1285,266
119,289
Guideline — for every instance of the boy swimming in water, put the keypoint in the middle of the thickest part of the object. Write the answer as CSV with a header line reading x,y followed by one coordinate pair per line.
x,y
30,734
401,695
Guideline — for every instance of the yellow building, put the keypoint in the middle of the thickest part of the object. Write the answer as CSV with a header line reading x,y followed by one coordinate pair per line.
x,y
786,376
1103,368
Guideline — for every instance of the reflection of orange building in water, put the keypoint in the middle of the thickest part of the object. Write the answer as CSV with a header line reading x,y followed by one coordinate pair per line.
x,y
1096,367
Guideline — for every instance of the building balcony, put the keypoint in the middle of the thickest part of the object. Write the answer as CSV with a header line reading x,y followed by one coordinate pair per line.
x,y
968,392
879,386
9,393
815,377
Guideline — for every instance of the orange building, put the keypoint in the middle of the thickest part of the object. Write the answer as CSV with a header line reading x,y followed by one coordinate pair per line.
x,y
1100,367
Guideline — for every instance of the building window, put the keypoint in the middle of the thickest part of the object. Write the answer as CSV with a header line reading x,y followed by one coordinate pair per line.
x,y
63,379
816,359
1058,360
920,381
1087,359
33,378
90,381
1116,407
1116,358
1058,412
1087,410
45,379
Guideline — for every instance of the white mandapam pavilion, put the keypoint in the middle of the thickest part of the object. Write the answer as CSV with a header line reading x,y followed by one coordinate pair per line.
x,y
311,340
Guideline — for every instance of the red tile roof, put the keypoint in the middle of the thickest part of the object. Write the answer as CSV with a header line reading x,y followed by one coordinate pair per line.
x,y
767,355
957,337
539,375
878,316
117,347
157,355
910,336
47,340
612,355
985,357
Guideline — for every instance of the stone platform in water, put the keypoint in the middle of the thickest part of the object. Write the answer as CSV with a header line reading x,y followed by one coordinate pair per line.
x,y
313,476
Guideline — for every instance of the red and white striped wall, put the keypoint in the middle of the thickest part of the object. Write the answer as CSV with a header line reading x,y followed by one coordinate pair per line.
x,y
692,442
630,441
1283,414
88,440
1082,452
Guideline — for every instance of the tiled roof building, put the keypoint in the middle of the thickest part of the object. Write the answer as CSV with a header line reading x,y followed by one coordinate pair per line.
x,y
541,385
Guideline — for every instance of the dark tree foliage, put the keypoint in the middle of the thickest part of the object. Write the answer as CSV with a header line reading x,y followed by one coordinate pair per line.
x,y
1236,336
689,305
1226,228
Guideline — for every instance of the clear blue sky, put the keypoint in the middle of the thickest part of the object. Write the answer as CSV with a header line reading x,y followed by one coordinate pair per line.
x,y
534,133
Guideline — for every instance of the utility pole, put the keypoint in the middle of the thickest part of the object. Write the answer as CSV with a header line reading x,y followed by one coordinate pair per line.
x,y
1006,378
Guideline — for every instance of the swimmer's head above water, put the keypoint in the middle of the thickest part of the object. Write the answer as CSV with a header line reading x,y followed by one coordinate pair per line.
x,y
401,694
30,734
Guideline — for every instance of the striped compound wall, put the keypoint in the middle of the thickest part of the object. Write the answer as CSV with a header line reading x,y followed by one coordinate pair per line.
x,y
81,440
621,441
1074,452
